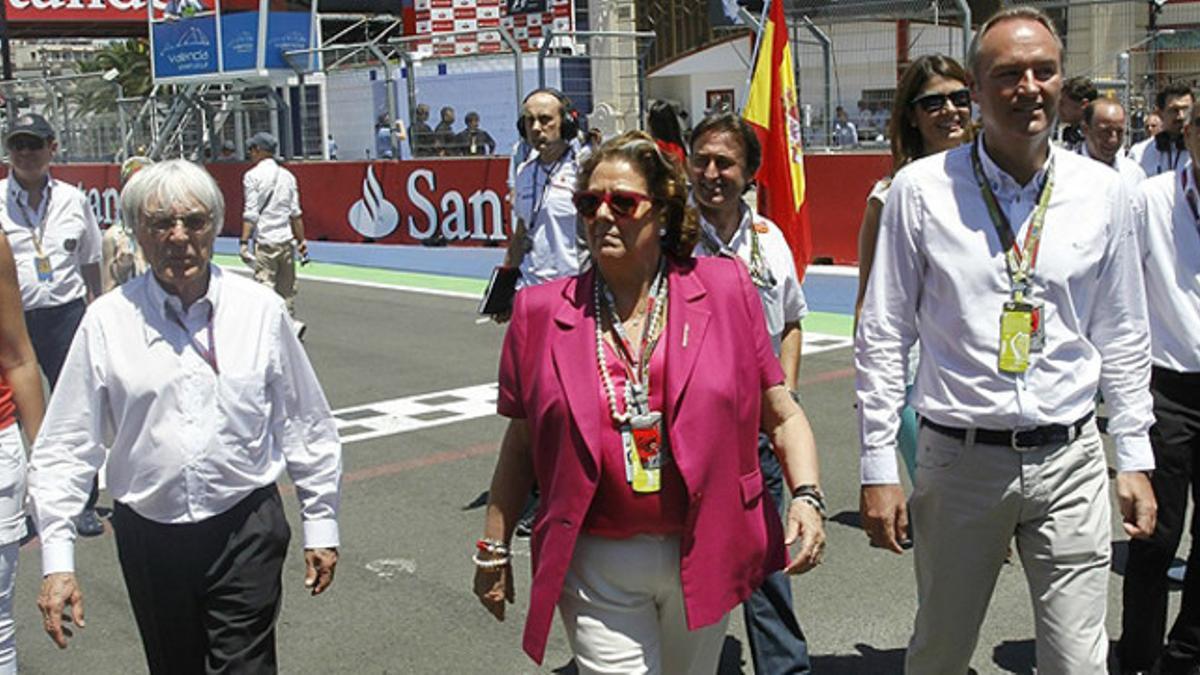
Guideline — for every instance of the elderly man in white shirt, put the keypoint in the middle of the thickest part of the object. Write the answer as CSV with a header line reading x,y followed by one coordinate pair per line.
x,y
272,216
1167,220
202,395
1103,138
1015,264
725,156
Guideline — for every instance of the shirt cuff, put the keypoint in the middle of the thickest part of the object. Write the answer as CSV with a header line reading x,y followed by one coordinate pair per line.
x,y
320,533
58,556
879,466
1134,453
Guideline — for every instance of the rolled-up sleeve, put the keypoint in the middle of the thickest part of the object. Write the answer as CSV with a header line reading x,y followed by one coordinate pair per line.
x,y
250,191
303,422
1118,326
887,328
69,449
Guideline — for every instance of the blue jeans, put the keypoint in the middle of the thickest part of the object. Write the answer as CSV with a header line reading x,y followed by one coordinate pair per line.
x,y
777,644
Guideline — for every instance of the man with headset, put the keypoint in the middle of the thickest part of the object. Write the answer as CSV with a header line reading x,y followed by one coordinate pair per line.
x,y
546,243
1164,152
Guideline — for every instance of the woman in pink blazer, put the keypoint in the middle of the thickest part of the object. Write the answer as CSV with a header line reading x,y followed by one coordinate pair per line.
x,y
636,391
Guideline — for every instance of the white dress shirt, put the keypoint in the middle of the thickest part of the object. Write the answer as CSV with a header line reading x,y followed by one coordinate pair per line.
x,y
1131,172
543,202
940,274
1169,233
186,443
271,201
70,238
782,302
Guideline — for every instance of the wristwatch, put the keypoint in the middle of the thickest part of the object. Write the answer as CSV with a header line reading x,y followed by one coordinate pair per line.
x,y
811,494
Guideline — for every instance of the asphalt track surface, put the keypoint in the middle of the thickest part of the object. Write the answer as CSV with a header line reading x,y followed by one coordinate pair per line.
x,y
412,508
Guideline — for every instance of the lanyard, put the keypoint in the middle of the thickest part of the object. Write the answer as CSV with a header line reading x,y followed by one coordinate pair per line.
x,y
1020,260
760,272
38,229
541,200
209,355
637,370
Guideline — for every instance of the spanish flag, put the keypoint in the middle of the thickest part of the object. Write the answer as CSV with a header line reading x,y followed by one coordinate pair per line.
x,y
772,110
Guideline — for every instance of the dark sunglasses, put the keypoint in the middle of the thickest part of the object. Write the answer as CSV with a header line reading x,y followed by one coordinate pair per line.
x,y
932,103
26,143
622,203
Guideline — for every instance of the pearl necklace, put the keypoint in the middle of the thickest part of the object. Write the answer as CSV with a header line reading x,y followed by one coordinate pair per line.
x,y
658,300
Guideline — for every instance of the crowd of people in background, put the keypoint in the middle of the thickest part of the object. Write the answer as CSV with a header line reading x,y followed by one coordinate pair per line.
x,y
391,137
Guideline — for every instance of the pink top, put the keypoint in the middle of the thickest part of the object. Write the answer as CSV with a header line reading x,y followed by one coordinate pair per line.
x,y
617,512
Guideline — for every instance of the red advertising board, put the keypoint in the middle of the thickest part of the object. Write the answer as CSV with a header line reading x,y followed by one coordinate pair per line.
x,y
464,200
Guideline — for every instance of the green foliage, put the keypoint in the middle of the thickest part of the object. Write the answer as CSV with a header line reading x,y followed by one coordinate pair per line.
x,y
131,59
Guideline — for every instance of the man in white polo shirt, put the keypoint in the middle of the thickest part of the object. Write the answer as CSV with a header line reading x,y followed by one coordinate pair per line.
x,y
725,155
272,215
57,246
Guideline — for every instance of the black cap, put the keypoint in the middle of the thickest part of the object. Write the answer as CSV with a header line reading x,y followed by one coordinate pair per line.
x,y
31,124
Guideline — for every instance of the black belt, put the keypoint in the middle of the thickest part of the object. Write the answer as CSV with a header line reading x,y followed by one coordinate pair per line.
x,y
1050,434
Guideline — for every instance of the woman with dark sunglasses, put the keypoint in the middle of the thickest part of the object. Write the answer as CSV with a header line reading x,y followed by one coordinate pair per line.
x,y
930,114
635,393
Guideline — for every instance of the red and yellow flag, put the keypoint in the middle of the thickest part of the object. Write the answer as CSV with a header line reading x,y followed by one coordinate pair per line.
x,y
772,110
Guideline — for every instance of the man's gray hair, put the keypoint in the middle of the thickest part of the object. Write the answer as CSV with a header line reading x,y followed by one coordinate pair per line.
x,y
171,182
1008,14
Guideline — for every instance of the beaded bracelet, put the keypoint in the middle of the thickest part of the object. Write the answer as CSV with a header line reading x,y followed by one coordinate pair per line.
x,y
491,564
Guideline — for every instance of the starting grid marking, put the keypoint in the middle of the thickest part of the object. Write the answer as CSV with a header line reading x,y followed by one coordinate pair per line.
x,y
400,415
439,408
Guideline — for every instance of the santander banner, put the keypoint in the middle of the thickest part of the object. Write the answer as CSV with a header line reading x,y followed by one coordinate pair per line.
x,y
124,11
463,202
459,201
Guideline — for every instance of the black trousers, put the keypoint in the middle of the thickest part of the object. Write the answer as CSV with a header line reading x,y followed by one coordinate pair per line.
x,y
51,330
206,595
1176,440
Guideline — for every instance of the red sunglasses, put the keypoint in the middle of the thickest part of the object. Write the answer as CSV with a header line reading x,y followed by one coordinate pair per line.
x,y
622,203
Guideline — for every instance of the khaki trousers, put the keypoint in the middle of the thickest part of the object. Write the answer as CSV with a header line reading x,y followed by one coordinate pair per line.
x,y
968,502
275,266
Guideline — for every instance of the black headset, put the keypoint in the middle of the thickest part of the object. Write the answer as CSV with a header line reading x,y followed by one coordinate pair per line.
x,y
1163,141
568,126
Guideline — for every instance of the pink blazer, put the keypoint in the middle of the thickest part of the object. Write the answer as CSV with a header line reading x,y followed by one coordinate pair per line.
x,y
719,360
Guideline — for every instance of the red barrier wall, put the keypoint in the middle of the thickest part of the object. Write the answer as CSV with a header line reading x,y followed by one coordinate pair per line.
x,y
463,200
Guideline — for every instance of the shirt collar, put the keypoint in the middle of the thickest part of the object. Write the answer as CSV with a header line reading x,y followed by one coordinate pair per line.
x,y
1083,150
21,196
745,223
160,299
1004,184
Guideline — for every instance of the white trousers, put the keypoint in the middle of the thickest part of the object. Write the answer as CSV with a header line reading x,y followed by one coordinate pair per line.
x,y
623,610
968,502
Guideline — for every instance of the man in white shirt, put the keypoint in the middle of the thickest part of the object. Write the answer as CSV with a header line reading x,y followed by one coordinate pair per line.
x,y
195,383
725,155
1167,220
57,247
272,215
545,243
1024,309
1104,135
1164,151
